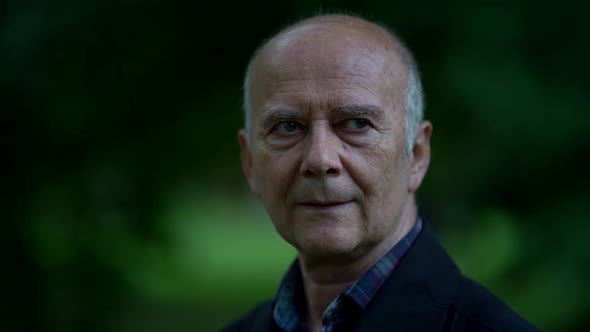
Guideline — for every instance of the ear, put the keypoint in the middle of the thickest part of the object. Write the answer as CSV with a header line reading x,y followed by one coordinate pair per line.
x,y
420,155
246,158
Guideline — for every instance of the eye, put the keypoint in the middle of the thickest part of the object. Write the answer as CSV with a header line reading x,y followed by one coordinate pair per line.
x,y
356,124
286,127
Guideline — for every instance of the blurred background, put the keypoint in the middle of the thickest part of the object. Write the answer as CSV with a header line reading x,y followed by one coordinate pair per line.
x,y
124,205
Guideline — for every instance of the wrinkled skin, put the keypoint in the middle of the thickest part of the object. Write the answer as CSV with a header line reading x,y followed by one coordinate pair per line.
x,y
326,153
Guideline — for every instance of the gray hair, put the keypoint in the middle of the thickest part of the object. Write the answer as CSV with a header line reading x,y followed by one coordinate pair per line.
x,y
414,105
414,112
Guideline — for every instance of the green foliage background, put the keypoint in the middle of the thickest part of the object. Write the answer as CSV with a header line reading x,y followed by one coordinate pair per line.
x,y
125,207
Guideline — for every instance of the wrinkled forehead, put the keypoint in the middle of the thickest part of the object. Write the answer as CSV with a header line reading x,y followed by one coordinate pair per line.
x,y
328,50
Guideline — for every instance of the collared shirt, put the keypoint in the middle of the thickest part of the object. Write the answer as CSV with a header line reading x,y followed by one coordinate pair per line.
x,y
290,298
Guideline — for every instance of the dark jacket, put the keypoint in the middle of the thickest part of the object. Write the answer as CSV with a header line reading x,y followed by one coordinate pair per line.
x,y
425,292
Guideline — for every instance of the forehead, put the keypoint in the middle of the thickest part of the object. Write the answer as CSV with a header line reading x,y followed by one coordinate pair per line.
x,y
326,55
320,50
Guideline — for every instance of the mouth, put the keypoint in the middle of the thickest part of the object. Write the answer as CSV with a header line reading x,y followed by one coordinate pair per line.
x,y
323,205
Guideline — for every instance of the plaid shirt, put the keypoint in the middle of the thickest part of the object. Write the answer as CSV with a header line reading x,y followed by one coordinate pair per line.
x,y
347,305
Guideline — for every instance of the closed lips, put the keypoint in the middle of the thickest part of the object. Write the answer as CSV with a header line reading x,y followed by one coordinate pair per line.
x,y
324,204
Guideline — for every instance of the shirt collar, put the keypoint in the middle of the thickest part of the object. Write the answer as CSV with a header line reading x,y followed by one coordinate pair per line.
x,y
362,291
290,296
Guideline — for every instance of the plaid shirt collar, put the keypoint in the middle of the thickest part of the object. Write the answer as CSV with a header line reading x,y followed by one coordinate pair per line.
x,y
348,304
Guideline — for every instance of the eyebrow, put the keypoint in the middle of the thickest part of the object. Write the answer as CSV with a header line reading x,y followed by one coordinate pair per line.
x,y
355,111
275,115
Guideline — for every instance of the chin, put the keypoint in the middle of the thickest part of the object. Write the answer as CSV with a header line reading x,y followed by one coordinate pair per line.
x,y
325,243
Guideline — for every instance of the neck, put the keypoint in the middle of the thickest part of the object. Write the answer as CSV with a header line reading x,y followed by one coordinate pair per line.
x,y
324,281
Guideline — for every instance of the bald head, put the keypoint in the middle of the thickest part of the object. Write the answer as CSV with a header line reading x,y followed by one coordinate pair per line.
x,y
329,152
323,45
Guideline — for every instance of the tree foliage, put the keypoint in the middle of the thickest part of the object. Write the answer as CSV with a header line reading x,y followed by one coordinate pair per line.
x,y
126,209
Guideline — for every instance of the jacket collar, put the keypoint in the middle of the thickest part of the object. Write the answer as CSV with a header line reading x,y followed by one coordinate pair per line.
x,y
417,295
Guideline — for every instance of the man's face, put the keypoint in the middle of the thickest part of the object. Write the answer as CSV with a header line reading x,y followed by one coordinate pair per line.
x,y
327,149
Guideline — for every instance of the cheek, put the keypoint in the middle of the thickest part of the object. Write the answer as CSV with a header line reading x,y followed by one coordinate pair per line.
x,y
275,173
382,175
380,165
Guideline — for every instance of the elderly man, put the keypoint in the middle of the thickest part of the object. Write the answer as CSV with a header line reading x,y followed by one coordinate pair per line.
x,y
335,147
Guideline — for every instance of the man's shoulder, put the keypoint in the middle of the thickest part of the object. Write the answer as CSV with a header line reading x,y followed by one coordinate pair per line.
x,y
475,308
259,319
471,306
428,292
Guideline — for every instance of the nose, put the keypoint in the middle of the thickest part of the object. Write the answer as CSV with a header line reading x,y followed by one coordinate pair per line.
x,y
322,153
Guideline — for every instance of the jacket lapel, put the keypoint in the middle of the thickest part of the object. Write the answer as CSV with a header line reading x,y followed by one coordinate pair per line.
x,y
417,295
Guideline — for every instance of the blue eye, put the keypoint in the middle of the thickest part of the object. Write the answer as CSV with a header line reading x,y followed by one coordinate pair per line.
x,y
286,127
356,124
